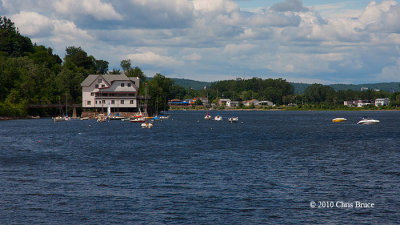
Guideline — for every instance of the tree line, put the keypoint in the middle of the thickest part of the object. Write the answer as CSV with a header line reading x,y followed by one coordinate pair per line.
x,y
33,74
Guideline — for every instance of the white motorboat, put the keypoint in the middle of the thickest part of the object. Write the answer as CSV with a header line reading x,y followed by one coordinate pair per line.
x,y
147,125
218,118
163,117
368,121
59,119
233,119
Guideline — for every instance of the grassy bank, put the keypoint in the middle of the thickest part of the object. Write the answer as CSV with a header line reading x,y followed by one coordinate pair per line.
x,y
295,108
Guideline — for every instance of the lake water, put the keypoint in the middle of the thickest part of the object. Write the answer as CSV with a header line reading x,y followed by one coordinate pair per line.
x,y
274,167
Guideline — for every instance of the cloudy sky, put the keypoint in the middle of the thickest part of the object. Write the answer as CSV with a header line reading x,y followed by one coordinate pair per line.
x,y
324,41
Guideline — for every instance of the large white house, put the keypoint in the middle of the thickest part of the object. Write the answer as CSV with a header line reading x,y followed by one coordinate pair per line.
x,y
120,91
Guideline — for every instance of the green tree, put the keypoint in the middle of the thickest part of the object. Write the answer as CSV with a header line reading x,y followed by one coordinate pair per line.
x,y
198,102
115,71
12,43
44,56
129,71
126,65
318,93
101,66
78,57
159,88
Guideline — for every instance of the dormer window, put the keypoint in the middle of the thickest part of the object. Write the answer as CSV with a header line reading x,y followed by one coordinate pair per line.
x,y
129,84
96,86
103,85
100,80
122,84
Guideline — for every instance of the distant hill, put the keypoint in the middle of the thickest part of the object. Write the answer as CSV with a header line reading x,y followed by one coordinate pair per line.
x,y
186,83
299,88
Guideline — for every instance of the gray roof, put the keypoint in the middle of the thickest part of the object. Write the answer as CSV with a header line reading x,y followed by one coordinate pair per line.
x,y
109,78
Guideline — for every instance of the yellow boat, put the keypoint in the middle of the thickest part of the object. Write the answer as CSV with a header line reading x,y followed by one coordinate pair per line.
x,y
338,120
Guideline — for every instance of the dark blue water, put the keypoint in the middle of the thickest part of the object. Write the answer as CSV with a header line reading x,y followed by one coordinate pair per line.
x,y
266,169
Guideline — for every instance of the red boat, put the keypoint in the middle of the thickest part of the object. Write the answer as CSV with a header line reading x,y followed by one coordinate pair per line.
x,y
138,120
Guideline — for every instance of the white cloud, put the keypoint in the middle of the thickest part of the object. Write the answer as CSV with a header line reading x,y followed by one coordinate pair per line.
x,y
193,57
215,6
66,32
99,10
381,17
289,6
154,59
238,48
390,73
33,24
15,6
155,13
215,38
271,18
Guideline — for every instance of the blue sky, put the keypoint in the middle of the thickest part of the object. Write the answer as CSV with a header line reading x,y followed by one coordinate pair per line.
x,y
326,41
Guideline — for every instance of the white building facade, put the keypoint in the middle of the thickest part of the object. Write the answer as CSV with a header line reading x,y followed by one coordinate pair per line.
x,y
120,91
382,102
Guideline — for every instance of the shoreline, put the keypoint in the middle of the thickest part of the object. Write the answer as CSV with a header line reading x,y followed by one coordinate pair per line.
x,y
2,118
346,110
18,117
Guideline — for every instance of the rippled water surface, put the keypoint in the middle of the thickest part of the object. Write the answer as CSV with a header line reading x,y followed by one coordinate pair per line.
x,y
268,168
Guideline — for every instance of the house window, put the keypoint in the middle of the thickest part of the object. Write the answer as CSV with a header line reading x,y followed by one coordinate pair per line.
x,y
100,80
104,101
113,102
129,84
122,84
122,102
92,94
96,86
131,102
89,102
103,85
96,102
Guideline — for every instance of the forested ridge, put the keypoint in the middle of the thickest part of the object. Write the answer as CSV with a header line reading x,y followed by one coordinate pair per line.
x,y
33,74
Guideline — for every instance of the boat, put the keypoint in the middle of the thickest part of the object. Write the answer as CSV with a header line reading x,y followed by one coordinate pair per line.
x,y
147,125
233,119
58,118
163,117
137,120
339,119
102,118
116,117
368,121
66,117
109,110
218,118
61,118
207,116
